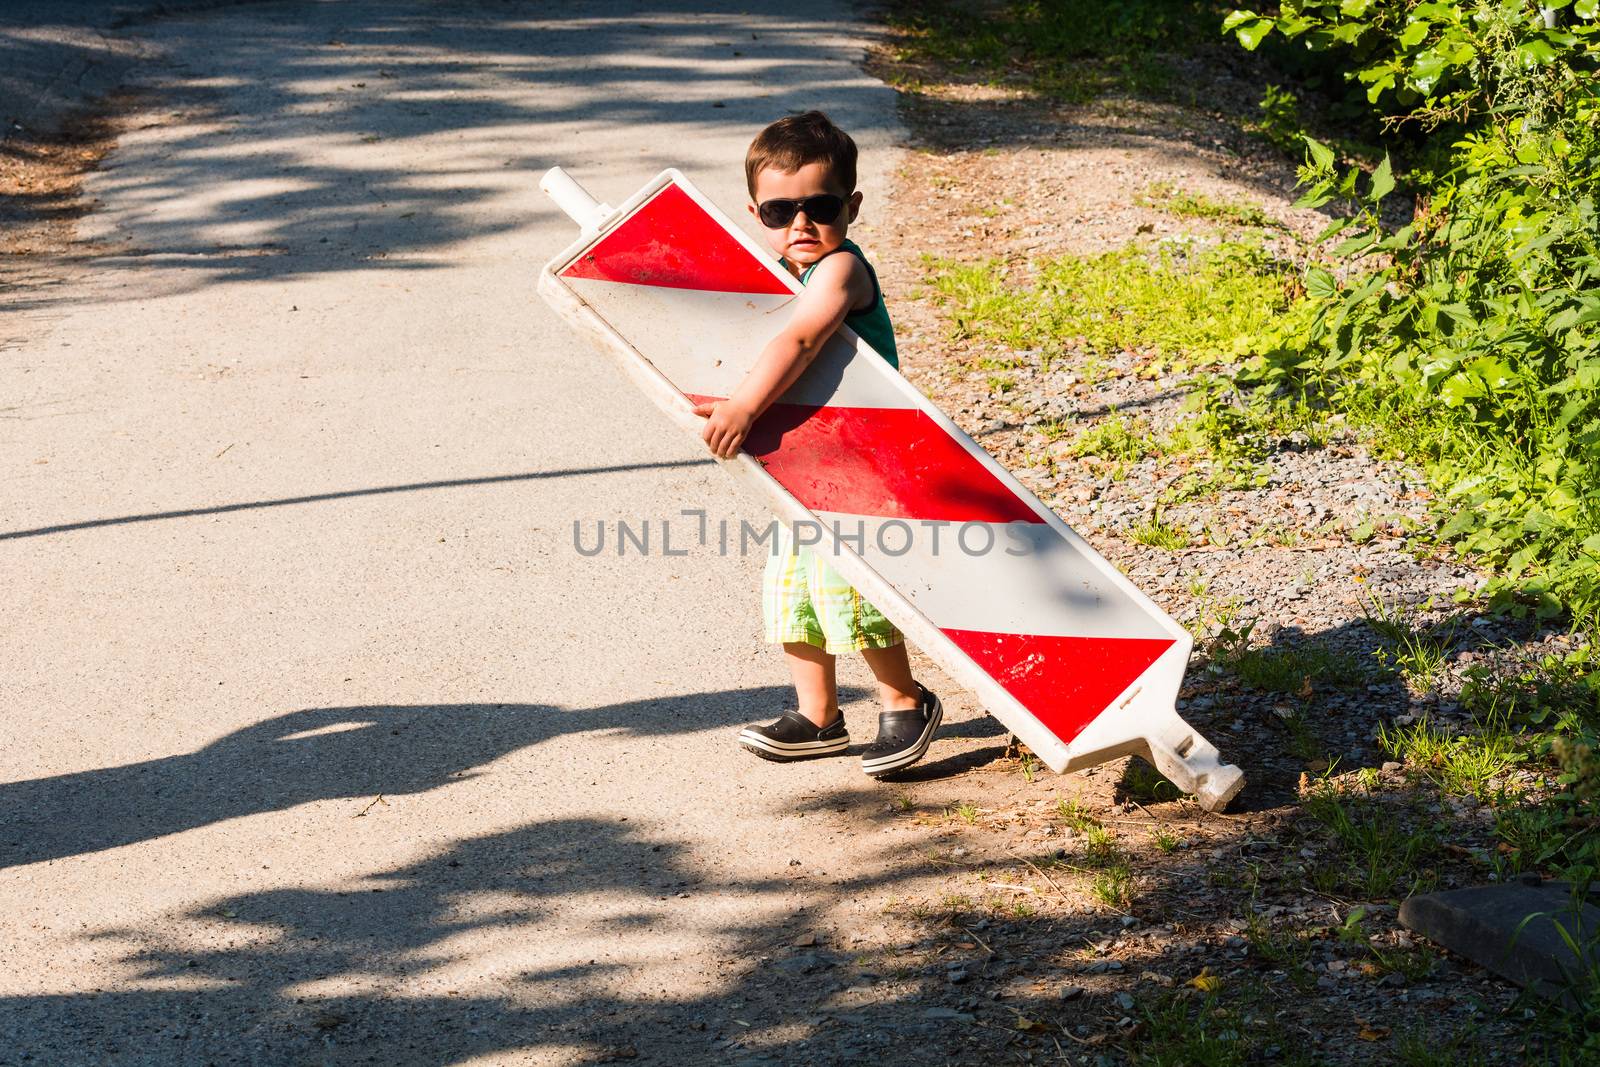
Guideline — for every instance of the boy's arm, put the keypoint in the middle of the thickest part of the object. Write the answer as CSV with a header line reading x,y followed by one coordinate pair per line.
x,y
838,284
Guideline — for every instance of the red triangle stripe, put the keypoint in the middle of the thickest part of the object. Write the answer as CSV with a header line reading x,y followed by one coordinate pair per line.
x,y
671,241
886,462
1066,682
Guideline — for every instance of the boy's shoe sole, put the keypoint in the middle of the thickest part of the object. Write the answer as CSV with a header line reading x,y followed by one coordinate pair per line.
x,y
876,766
793,737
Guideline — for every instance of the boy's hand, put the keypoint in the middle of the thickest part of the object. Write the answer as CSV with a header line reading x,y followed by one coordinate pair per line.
x,y
727,425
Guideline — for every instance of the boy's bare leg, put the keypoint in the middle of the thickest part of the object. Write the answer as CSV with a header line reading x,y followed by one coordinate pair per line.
x,y
815,681
897,690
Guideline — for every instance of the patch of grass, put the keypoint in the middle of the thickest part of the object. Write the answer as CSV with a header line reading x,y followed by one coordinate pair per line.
x,y
1303,740
1100,846
1180,1030
1461,765
903,801
1296,670
1382,860
1287,948
1207,481
1075,815
1030,767
1147,785
1280,125
1055,429
1419,655
1115,438
966,812
1418,1048
1071,50
1185,205
1185,306
1001,384
1113,886
1165,839
1156,532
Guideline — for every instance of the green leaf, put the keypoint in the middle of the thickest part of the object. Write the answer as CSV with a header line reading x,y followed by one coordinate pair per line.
x,y
1354,8
1321,154
1459,388
1382,181
1235,17
1426,68
1585,9
1414,33
1320,284
1536,53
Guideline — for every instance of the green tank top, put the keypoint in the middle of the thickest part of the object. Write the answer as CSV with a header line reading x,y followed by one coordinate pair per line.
x,y
872,322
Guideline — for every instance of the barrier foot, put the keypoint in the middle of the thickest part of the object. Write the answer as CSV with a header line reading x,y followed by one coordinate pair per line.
x,y
1194,765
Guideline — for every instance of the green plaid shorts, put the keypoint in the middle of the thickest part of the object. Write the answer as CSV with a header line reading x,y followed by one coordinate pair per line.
x,y
804,600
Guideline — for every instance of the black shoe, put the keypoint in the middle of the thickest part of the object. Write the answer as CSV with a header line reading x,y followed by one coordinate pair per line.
x,y
903,736
795,737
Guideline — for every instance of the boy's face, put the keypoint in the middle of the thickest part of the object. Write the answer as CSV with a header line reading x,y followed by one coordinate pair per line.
x,y
804,240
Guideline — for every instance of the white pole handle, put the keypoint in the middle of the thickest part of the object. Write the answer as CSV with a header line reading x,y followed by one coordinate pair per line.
x,y
574,199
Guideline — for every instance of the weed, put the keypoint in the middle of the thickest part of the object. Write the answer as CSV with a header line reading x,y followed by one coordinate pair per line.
x,y
966,812
1382,860
903,800
1156,532
1280,124
1296,670
1420,656
1001,384
1165,839
1113,886
1075,815
1144,783
1303,740
1179,1031
1282,948
1100,847
1186,306
1419,1048
1055,429
1459,764
1030,766
1165,197
1068,50
1114,438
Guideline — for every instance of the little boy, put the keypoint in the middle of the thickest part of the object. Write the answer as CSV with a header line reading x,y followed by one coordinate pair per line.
x,y
801,172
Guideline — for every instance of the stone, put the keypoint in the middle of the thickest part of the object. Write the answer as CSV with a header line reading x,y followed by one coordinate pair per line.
x,y
1514,930
1071,992
803,963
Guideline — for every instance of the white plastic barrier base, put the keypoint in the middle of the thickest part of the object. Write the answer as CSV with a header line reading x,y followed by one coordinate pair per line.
x,y
1056,643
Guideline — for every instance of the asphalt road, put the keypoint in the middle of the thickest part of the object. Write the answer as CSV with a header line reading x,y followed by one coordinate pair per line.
x,y
322,743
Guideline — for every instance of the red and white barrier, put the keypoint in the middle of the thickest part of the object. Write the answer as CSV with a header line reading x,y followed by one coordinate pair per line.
x,y
987,580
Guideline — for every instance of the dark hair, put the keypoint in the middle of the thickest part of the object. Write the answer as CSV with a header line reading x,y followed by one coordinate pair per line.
x,y
791,143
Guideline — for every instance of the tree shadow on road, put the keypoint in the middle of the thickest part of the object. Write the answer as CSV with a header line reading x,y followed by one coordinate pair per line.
x,y
318,754
369,972
307,138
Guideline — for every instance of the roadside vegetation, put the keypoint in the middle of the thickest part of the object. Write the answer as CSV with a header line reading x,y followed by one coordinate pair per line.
x,y
1447,315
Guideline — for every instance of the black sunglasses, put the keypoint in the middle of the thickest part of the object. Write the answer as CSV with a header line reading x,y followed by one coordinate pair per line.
x,y
823,208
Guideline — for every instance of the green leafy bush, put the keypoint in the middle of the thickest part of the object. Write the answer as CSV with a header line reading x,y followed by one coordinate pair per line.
x,y
1466,338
